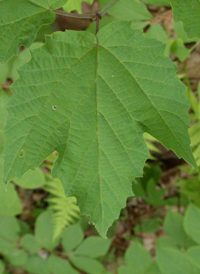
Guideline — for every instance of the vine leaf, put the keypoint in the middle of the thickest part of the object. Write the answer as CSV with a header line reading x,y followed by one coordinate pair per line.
x,y
91,99
20,21
127,10
75,5
188,12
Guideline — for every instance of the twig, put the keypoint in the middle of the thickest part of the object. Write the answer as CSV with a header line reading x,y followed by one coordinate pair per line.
x,y
76,15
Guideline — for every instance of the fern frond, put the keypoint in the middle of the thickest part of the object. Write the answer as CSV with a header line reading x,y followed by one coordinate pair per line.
x,y
150,144
194,132
66,212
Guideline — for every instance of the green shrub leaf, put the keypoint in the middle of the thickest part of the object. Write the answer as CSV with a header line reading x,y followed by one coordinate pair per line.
x,y
173,226
57,265
72,237
192,222
44,231
188,12
96,115
137,258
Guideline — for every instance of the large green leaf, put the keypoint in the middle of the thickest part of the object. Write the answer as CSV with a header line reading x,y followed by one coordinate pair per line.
x,y
99,95
20,21
188,12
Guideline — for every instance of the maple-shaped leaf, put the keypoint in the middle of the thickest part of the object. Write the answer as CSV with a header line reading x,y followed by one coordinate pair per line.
x,y
189,13
20,21
91,99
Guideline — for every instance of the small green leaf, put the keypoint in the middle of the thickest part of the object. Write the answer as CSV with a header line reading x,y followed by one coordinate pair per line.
x,y
36,265
2,267
9,229
29,243
172,261
194,255
153,269
137,258
17,257
192,222
178,49
93,247
72,237
173,226
32,179
56,265
44,231
88,265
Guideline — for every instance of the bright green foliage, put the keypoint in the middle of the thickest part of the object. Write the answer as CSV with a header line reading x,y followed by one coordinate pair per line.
x,y
192,222
44,231
75,5
65,210
20,21
31,179
173,227
188,12
97,122
138,260
84,253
